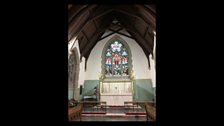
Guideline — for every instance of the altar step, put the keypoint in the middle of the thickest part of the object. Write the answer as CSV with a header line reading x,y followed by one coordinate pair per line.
x,y
113,109
114,114
113,118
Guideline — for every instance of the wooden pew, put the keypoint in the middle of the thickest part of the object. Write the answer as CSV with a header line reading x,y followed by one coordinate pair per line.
x,y
150,112
75,113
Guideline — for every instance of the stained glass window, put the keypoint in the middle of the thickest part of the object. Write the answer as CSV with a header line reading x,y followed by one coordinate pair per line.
x,y
116,61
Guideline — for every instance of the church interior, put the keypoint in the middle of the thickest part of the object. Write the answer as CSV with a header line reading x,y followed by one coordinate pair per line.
x,y
111,62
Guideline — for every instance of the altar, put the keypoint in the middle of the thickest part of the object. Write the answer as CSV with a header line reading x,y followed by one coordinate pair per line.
x,y
115,93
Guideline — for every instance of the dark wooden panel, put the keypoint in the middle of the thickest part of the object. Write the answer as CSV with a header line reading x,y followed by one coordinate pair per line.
x,y
75,26
87,49
140,27
83,42
139,37
78,10
147,15
90,30
150,39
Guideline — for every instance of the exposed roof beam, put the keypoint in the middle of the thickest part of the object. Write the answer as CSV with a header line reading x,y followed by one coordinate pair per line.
x,y
151,8
95,24
147,45
147,15
105,36
132,14
75,26
91,43
103,11
145,50
125,35
96,15
117,23
99,13
78,10
144,44
85,35
117,31
99,33
146,31
91,47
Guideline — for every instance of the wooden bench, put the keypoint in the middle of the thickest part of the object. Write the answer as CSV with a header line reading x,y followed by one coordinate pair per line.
x,y
75,113
150,112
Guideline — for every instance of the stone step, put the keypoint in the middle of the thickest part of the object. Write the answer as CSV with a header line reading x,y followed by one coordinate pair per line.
x,y
115,114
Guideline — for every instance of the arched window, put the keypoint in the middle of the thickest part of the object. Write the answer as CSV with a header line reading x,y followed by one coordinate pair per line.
x,y
116,60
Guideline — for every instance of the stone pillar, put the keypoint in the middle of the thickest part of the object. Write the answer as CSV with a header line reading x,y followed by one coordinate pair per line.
x,y
154,54
152,69
152,60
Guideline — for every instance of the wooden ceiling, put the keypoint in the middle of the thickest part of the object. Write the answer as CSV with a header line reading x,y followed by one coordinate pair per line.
x,y
89,22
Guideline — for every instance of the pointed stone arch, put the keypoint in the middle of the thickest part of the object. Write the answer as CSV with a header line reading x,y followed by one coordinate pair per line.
x,y
73,77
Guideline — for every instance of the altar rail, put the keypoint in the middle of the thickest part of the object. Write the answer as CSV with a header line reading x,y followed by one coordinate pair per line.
x,y
138,107
94,106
